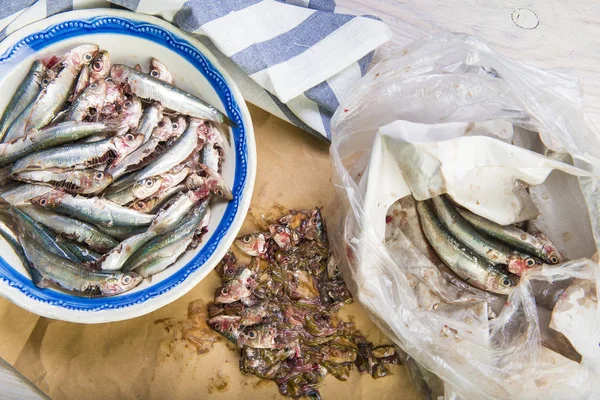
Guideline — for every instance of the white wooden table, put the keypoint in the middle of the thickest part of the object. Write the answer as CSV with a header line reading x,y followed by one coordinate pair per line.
x,y
566,35
550,34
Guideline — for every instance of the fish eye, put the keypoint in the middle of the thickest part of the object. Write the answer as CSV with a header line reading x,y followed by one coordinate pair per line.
x,y
126,279
87,57
530,262
230,270
155,73
109,79
93,86
127,104
97,65
129,137
506,282
219,192
140,204
252,334
43,202
161,124
175,125
149,183
313,220
554,260
217,326
247,239
45,81
224,291
99,175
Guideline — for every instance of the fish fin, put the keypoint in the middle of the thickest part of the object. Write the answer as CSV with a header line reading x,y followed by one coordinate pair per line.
x,y
37,278
138,67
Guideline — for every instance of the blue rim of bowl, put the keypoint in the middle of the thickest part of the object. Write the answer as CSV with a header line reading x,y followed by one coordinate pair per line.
x,y
144,30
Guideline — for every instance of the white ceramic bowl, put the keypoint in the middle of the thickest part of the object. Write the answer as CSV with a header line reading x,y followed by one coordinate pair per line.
x,y
130,39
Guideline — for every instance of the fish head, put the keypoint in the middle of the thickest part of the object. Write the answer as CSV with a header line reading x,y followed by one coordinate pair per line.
x,y
550,252
228,267
147,187
100,66
502,283
49,200
131,111
144,205
226,325
260,337
163,130
122,282
96,92
284,236
179,126
313,228
519,263
97,180
254,244
239,287
81,55
216,183
338,354
126,144
119,73
159,71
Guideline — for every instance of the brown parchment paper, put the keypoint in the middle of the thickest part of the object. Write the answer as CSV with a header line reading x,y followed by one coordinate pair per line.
x,y
168,355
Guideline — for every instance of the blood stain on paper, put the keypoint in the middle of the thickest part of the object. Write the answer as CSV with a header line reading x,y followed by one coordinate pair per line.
x,y
191,331
219,382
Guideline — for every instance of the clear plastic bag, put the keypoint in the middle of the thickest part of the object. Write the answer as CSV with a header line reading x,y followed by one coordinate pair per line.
x,y
400,134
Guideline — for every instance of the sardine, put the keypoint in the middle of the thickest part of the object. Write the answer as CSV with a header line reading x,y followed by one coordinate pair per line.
x,y
80,155
227,325
84,254
474,269
147,187
538,245
62,133
177,154
22,194
73,229
130,114
155,203
162,259
100,66
494,252
41,234
213,181
159,71
151,116
284,236
144,154
52,99
26,93
17,128
94,210
72,275
83,181
150,88
164,220
83,79
258,337
92,98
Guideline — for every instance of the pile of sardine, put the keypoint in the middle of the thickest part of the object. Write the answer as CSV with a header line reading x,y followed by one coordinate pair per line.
x,y
280,309
106,171
484,254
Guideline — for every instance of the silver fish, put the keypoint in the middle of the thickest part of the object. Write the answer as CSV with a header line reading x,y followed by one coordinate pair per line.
x,y
83,181
17,129
41,234
22,194
181,233
147,152
94,210
147,187
175,155
159,71
72,275
83,79
474,269
81,155
26,93
148,87
537,245
151,116
52,99
494,252
72,229
163,258
52,136
92,98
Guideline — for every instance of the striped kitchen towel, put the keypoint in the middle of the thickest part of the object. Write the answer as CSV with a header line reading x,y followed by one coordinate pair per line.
x,y
297,59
